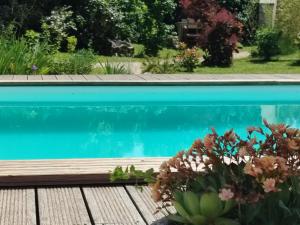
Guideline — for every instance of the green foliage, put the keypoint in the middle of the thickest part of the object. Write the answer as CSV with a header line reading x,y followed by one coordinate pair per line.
x,y
277,208
94,21
17,57
164,65
32,37
140,21
155,32
58,25
288,18
80,62
188,58
139,51
114,68
297,41
132,173
247,12
268,43
167,52
206,209
72,43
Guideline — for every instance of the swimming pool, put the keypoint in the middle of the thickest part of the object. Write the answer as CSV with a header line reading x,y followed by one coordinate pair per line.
x,y
66,122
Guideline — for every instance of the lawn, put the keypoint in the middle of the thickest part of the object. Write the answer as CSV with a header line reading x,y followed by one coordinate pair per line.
x,y
284,64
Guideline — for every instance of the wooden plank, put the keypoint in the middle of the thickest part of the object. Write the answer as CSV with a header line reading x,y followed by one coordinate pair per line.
x,y
77,77
146,204
6,77
49,77
91,77
35,77
72,171
63,78
17,207
62,206
112,205
20,77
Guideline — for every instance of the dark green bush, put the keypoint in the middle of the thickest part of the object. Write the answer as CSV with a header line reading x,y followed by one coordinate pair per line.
x,y
95,21
267,43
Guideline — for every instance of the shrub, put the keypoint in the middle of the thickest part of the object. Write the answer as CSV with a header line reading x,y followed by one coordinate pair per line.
x,y
247,12
80,62
139,51
288,19
260,176
17,57
114,68
141,21
57,26
72,43
267,43
164,65
32,37
188,58
225,179
220,30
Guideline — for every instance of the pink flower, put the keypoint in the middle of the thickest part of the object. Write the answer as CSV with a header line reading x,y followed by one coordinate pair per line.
x,y
269,185
226,194
243,151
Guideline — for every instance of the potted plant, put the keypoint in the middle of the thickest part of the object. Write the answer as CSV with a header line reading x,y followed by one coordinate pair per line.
x,y
228,180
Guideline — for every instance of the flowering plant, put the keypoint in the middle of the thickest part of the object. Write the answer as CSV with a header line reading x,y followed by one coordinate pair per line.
x,y
259,174
188,58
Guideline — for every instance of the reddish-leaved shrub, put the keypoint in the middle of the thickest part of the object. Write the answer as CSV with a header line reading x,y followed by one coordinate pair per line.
x,y
219,33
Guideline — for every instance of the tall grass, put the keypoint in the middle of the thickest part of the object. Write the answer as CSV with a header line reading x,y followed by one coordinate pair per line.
x,y
80,62
17,57
114,68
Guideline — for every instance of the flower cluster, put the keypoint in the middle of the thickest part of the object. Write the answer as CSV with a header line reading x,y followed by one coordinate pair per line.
x,y
243,170
269,171
188,58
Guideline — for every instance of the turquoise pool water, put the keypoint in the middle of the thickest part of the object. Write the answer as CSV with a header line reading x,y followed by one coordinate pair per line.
x,y
100,122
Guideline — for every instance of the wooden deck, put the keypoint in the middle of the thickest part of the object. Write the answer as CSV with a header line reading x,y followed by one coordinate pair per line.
x,y
92,205
148,79
67,172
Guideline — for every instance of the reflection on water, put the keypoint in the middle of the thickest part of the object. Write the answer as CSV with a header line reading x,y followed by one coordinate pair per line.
x,y
123,131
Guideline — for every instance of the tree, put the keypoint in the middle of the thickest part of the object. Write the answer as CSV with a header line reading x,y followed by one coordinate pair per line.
x,y
220,30
288,18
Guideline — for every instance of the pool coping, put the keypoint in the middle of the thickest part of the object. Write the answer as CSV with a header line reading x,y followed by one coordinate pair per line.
x,y
24,173
149,79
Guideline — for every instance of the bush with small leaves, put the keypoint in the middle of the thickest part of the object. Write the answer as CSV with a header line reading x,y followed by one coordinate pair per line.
x,y
268,43
72,43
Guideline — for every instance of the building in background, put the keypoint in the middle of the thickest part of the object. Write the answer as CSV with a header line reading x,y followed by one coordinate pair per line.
x,y
267,12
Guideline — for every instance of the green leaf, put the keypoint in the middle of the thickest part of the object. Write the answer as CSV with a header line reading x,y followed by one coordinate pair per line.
x,y
228,206
191,203
284,207
198,220
211,205
181,211
177,218
225,221
178,195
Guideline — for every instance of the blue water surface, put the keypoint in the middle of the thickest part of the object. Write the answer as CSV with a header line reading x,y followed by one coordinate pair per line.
x,y
132,121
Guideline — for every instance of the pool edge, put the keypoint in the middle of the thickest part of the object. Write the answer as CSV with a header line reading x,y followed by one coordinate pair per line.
x,y
149,79
26,173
